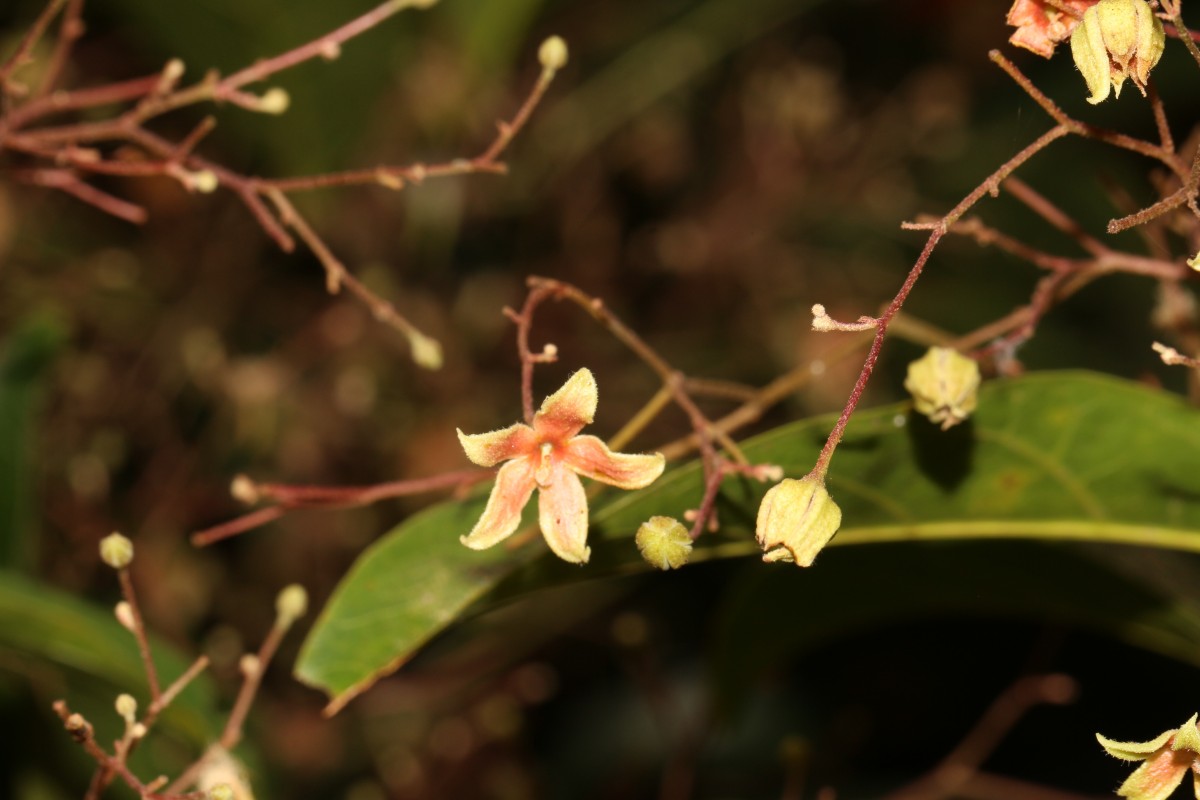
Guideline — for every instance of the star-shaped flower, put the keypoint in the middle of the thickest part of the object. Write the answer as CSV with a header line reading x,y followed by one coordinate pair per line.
x,y
550,456
1166,759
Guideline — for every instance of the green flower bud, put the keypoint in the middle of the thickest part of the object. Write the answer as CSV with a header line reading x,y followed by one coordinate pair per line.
x,y
1117,39
944,384
796,520
664,542
553,54
116,551
291,604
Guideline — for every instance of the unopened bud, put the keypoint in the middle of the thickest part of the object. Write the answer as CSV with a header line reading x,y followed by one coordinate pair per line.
x,y
124,614
249,665
205,181
290,605
796,520
664,542
116,551
1194,261
553,54
173,71
274,101
1117,39
127,707
138,731
426,351
75,722
244,490
944,385
222,791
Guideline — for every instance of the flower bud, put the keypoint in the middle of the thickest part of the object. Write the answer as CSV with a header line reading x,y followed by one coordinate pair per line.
x,y
116,551
290,605
553,54
127,707
664,542
426,352
944,384
1194,261
796,520
1117,39
124,614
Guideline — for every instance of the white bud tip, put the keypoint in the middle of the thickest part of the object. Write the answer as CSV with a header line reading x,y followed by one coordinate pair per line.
x,y
124,614
173,71
249,665
126,707
244,490
553,53
205,181
426,352
291,604
274,101
116,551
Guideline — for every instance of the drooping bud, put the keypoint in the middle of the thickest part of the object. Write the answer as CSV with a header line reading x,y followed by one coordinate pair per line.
x,y
116,551
944,385
664,542
796,520
1166,759
1117,39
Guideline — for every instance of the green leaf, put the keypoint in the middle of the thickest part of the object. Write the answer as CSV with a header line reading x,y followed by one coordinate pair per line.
x,y
1052,456
26,354
51,635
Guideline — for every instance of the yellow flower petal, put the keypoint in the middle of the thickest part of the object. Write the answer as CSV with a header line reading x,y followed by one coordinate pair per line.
x,y
590,457
514,485
565,413
489,449
563,516
1133,751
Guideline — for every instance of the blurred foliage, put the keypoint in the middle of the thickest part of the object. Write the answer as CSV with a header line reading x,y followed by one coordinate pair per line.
x,y
710,168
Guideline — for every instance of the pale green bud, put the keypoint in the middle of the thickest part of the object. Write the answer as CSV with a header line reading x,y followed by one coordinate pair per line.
x,y
664,542
426,351
1115,40
944,385
553,54
127,707
291,604
116,551
796,520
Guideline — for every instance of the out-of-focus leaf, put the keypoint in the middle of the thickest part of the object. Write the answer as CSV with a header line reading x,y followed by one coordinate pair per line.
x,y
48,632
1053,456
24,356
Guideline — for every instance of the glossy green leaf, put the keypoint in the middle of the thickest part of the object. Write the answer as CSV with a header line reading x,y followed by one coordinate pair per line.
x,y
1053,456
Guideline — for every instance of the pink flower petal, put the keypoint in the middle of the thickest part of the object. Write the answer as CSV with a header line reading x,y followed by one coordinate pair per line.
x,y
590,457
1158,775
564,413
1040,26
514,485
563,516
489,449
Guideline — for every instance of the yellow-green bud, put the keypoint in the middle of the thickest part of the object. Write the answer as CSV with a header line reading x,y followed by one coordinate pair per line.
x,y
664,542
222,791
553,54
291,604
1115,40
116,551
1162,769
274,101
944,385
796,520
426,351
127,707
